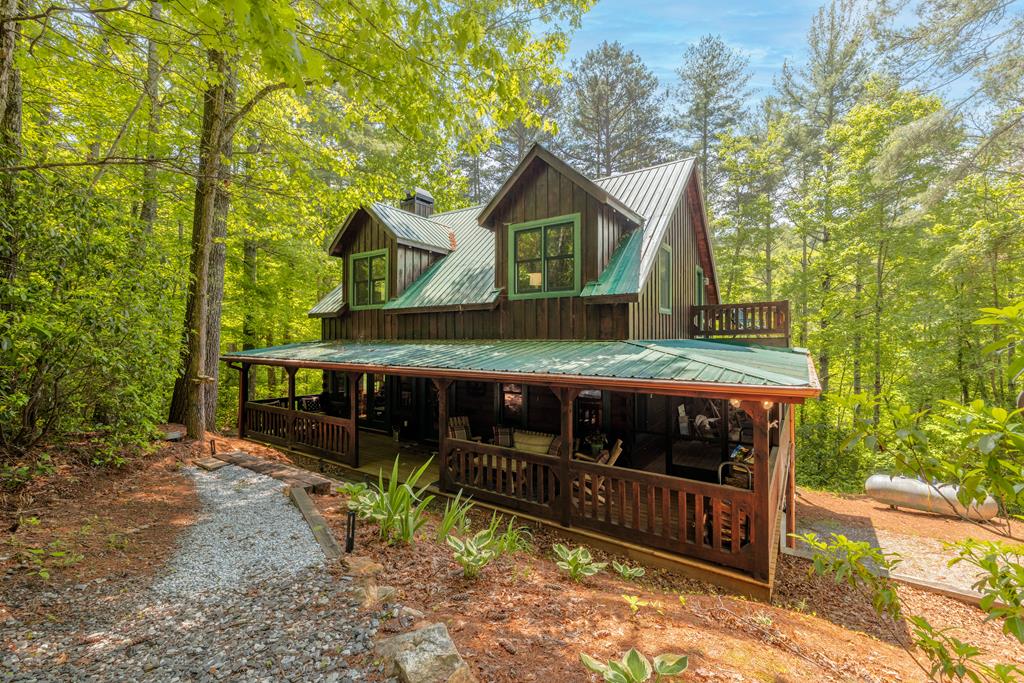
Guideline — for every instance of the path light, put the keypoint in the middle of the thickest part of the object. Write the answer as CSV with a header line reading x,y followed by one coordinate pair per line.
x,y
350,532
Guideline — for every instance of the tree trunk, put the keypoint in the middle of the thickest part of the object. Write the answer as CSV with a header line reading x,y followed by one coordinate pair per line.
x,y
215,288
188,401
879,298
10,139
250,254
147,212
858,288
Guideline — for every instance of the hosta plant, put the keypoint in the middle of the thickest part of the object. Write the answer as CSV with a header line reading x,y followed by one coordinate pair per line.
x,y
627,572
636,668
473,553
578,562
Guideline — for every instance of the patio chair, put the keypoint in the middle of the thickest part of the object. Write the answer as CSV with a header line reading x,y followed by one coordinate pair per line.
x,y
595,487
458,428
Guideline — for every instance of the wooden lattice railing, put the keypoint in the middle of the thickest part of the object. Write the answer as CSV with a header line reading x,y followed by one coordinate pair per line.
x,y
761,320
317,433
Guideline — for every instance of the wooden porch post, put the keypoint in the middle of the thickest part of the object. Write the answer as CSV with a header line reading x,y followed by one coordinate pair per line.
x,y
763,535
566,397
291,405
442,432
790,433
243,398
353,416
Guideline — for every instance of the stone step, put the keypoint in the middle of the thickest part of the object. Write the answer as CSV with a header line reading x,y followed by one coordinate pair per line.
x,y
290,475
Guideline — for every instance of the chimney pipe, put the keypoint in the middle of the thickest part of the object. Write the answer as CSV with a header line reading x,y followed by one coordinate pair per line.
x,y
419,202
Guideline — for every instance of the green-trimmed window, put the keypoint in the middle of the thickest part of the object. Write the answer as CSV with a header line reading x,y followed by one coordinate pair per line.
x,y
543,258
368,279
698,287
665,279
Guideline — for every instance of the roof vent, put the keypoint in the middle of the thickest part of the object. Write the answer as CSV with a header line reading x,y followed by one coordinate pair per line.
x,y
419,202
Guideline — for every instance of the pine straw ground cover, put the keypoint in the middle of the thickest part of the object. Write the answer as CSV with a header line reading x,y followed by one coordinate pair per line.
x,y
82,523
522,619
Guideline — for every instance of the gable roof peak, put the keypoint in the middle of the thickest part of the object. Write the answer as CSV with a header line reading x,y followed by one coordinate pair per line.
x,y
539,152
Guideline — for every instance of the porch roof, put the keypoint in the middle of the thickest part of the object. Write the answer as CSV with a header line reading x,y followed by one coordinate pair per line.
x,y
671,366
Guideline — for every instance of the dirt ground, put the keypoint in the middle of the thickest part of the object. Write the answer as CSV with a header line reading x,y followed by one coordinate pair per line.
x,y
82,523
523,620
861,511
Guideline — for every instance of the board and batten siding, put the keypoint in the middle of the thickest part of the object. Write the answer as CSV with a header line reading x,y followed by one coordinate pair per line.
x,y
645,320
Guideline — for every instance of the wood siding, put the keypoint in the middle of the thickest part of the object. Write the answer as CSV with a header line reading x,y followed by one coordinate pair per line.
x,y
645,321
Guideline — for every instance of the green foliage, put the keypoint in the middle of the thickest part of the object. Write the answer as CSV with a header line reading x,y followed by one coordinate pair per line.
x,y
858,564
44,559
515,538
627,572
398,508
474,553
454,519
634,667
636,603
1001,582
578,562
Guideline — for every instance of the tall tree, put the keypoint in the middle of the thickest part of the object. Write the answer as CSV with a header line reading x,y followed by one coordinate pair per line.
x,y
819,93
710,99
614,118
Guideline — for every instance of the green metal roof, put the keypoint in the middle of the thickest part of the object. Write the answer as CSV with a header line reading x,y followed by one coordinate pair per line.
x,y
622,274
778,372
412,229
465,277
331,305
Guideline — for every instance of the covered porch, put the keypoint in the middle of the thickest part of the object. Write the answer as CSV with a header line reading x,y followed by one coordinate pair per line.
x,y
681,446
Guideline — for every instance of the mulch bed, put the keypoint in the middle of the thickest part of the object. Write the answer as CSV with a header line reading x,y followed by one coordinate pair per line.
x,y
523,620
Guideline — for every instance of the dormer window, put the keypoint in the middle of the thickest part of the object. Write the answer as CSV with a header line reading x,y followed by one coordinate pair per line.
x,y
368,280
542,258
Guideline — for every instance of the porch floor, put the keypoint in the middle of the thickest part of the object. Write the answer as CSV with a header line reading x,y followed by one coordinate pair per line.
x,y
377,452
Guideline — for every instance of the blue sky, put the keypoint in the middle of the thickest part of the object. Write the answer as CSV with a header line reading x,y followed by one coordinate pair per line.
x,y
768,33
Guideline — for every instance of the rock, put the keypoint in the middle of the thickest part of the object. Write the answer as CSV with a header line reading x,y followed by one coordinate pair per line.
x,y
407,616
363,566
426,655
370,594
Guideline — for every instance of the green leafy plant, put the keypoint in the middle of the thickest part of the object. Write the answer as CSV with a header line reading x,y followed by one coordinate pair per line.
x,y
398,508
41,560
515,538
635,603
454,519
636,668
578,562
627,572
474,553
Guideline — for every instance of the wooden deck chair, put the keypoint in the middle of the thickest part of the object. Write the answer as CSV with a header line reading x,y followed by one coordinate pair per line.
x,y
596,486
458,428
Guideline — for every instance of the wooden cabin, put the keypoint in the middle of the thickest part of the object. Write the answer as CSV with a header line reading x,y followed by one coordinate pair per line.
x,y
564,352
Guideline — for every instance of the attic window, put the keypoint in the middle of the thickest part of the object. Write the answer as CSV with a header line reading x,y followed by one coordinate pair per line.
x,y
369,279
542,258
665,279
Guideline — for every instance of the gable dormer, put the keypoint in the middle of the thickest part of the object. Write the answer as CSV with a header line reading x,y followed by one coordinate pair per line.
x,y
554,229
384,249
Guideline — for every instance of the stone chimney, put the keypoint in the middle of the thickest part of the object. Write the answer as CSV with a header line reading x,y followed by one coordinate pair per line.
x,y
419,202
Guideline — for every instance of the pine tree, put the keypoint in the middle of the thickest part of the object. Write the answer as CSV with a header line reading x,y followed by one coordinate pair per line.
x,y
614,113
710,99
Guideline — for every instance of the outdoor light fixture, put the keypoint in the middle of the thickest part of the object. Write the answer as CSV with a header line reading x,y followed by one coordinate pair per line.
x,y
350,532
767,405
734,402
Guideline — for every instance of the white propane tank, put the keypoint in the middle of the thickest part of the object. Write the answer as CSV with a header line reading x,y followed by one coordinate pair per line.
x,y
904,492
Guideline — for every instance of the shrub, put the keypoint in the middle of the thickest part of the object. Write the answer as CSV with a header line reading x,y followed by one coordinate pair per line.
x,y
398,508
577,562
454,518
627,572
473,553
636,668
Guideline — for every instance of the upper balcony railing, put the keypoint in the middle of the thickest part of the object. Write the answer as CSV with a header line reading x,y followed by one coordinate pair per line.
x,y
764,322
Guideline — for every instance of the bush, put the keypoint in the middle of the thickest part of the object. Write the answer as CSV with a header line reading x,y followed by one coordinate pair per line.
x,y
578,563
636,668
473,554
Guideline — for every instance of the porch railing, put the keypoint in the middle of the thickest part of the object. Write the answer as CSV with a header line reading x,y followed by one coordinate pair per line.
x,y
330,437
759,321
526,481
707,521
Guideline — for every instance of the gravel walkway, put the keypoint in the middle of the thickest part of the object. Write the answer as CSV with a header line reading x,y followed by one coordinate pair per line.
x,y
923,558
246,597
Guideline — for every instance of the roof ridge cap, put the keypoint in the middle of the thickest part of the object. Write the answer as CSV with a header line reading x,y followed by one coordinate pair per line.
x,y
645,168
